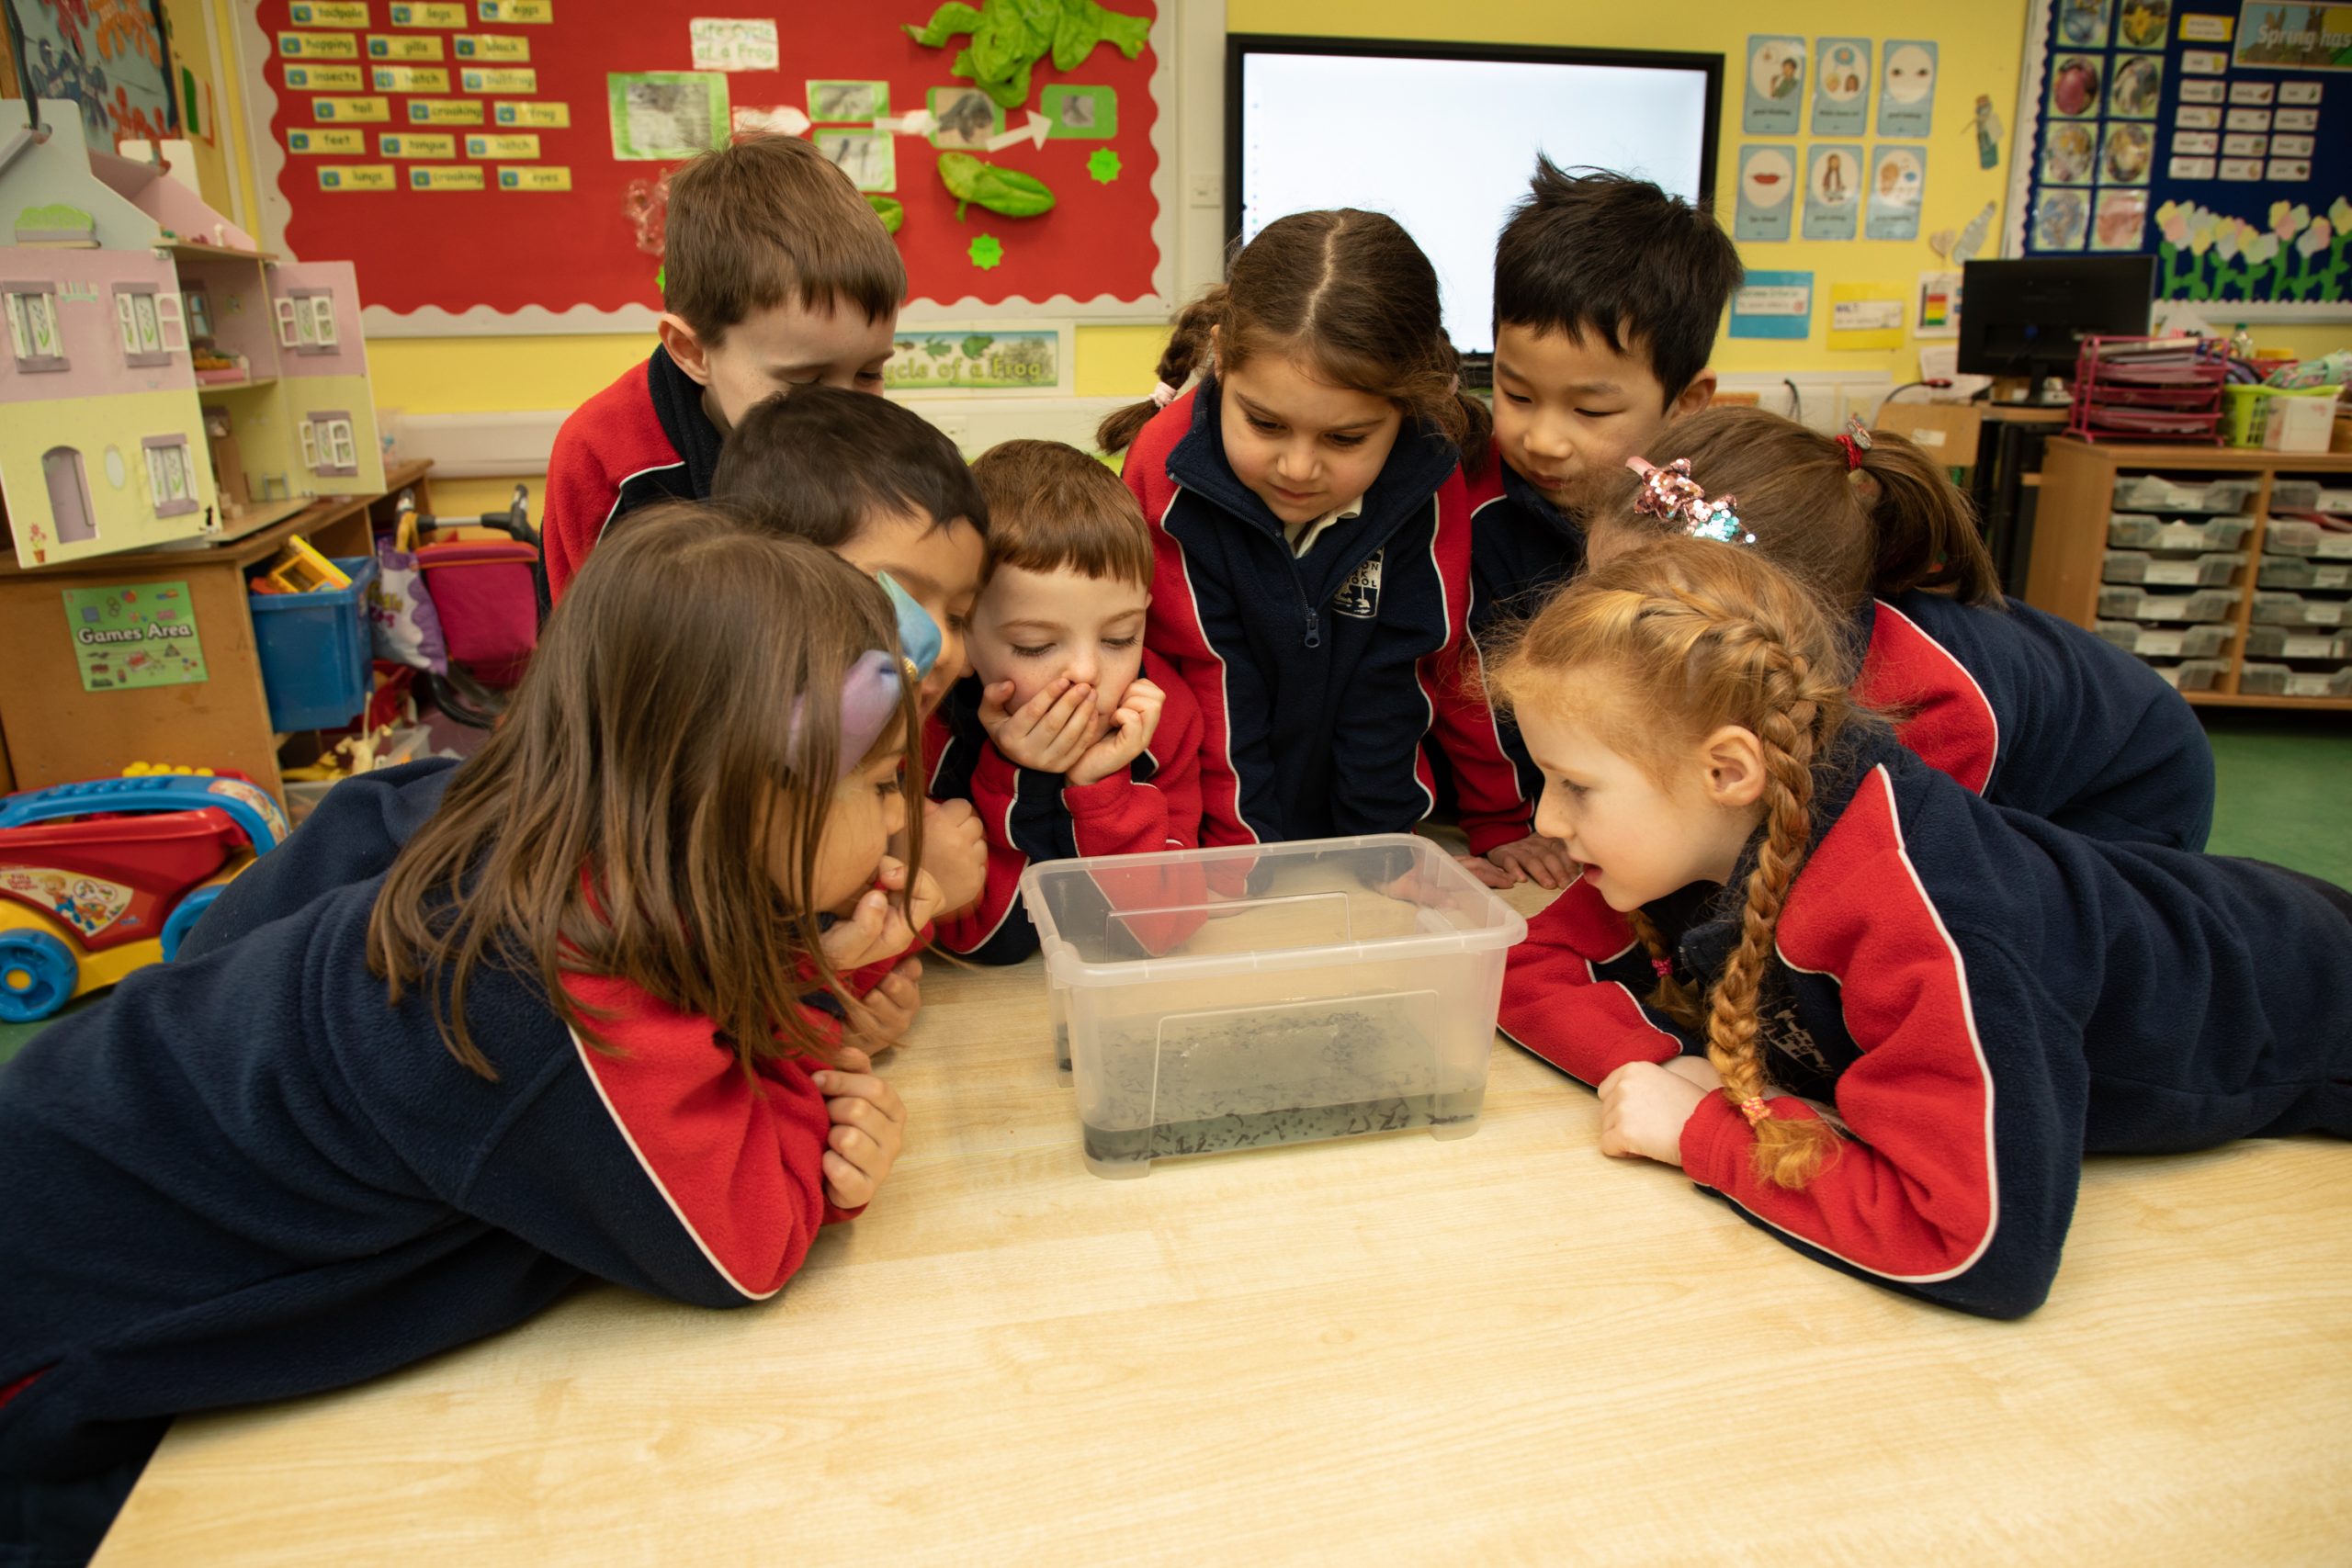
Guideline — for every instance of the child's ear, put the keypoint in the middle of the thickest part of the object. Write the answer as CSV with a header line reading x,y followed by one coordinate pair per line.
x,y
1734,759
684,347
1694,397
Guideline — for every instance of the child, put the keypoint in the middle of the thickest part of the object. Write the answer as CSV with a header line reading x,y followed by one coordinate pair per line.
x,y
1310,536
1920,1011
1072,739
776,272
265,1174
2027,710
1607,294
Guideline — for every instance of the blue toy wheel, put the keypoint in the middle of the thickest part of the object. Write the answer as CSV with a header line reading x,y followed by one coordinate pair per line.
x,y
183,918
36,975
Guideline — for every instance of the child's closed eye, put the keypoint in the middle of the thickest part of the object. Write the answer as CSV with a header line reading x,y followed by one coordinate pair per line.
x,y
1039,651
1128,641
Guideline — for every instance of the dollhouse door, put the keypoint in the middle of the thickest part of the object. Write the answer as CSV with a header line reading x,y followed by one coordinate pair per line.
x,y
69,495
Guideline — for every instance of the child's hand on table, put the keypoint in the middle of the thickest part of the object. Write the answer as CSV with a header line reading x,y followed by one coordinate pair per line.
x,y
1049,733
955,852
1536,858
884,1014
869,1127
1643,1108
1137,721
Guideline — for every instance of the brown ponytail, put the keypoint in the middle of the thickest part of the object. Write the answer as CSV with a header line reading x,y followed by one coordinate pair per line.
x,y
1347,291
1892,524
1657,647
1187,351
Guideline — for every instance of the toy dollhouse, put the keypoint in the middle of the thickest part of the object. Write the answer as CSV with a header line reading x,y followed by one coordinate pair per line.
x,y
163,379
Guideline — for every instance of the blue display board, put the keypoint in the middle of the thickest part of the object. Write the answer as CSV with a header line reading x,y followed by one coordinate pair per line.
x,y
2214,135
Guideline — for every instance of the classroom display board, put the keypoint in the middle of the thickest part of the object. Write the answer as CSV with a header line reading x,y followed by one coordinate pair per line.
x,y
108,58
2214,135
496,165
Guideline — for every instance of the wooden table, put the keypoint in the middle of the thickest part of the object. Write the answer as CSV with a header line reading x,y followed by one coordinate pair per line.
x,y
55,732
1397,1349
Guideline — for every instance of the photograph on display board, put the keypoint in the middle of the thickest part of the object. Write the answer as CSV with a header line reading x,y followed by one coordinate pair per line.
x,y
2141,24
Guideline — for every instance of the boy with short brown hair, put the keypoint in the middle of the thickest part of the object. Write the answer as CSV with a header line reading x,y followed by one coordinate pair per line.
x,y
1070,739
775,272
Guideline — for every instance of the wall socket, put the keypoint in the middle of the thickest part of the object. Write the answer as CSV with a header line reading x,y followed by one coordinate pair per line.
x,y
1205,190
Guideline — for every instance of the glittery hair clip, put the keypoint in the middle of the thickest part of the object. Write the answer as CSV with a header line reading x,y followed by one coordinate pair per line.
x,y
1671,495
1856,440
876,684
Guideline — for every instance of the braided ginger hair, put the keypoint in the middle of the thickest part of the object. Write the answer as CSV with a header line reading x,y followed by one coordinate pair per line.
x,y
1655,649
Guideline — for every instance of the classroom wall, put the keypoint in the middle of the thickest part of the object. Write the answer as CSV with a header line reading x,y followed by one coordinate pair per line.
x,y
1981,47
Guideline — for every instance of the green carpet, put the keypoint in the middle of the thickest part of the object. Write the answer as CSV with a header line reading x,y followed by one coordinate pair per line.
x,y
2285,794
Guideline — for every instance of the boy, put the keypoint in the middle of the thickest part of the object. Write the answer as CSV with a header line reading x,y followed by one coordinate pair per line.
x,y
776,272
1607,294
1071,740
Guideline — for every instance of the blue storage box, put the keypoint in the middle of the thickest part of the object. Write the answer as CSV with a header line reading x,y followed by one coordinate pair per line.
x,y
314,650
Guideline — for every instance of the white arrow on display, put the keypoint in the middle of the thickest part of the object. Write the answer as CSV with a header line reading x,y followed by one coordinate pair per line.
x,y
914,122
1040,126
781,120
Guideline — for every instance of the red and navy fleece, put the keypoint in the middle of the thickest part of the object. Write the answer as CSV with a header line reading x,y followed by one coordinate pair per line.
x,y
1316,677
1984,999
2036,714
248,1178
644,438
1153,804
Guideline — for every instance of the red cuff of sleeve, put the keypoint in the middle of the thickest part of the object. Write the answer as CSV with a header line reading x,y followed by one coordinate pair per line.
x,y
834,1217
1717,1142
1100,798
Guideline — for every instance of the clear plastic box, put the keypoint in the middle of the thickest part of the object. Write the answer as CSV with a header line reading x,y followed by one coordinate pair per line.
x,y
2282,642
2118,603
2194,675
2294,610
2165,642
2303,572
2143,531
2156,571
2154,492
2279,680
1243,997
2294,537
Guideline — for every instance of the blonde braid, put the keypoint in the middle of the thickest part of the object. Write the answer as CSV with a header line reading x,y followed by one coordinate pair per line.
x,y
1672,996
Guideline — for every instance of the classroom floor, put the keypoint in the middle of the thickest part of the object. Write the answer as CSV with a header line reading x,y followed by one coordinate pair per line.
x,y
2284,795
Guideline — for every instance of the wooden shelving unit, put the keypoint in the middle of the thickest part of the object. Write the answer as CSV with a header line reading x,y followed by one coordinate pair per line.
x,y
2069,537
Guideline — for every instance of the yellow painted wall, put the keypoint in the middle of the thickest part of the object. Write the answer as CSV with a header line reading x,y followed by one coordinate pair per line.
x,y
1982,46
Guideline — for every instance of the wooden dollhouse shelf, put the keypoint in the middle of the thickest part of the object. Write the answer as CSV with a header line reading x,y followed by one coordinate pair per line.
x,y
197,248
237,385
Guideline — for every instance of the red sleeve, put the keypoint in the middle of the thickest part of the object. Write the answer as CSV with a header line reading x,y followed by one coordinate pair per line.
x,y
1494,811
608,440
738,1160
1118,815
970,930
1569,990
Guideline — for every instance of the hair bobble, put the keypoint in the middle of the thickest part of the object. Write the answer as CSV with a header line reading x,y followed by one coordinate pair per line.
x,y
1755,1110
1856,439
1162,394
1671,495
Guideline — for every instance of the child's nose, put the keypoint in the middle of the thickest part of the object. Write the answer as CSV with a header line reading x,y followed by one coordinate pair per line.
x,y
1551,437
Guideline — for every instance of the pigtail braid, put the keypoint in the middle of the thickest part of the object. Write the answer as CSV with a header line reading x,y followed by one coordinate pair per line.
x,y
1672,996
1187,350
1788,1150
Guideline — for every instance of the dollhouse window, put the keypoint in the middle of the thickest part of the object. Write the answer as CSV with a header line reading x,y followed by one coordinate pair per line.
x,y
33,335
141,316
330,443
170,474
306,321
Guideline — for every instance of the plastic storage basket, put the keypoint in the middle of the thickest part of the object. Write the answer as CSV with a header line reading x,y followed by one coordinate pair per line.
x,y
314,650
1242,998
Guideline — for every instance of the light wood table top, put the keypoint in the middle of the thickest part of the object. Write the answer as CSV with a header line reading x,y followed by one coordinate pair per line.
x,y
1501,1347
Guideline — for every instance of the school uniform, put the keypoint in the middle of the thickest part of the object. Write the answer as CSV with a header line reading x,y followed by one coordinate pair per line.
x,y
1152,803
1315,674
644,438
2035,712
249,1177
1982,997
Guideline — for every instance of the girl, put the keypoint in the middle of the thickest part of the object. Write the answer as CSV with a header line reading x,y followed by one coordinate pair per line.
x,y
1310,529
1919,1010
2025,709
581,1054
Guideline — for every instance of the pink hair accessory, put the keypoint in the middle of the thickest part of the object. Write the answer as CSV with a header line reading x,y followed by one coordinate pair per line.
x,y
1162,394
1671,495
1665,969
1856,440
1755,1110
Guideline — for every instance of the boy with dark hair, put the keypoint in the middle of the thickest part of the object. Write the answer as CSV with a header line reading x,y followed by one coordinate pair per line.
x,y
1608,291
1072,739
775,272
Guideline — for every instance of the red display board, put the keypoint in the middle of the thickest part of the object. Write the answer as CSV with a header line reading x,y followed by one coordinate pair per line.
x,y
376,120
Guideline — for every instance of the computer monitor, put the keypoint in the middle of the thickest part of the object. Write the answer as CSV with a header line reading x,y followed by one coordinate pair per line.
x,y
1443,138
2028,318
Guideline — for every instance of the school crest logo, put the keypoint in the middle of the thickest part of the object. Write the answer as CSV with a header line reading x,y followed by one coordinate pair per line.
x,y
1360,595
